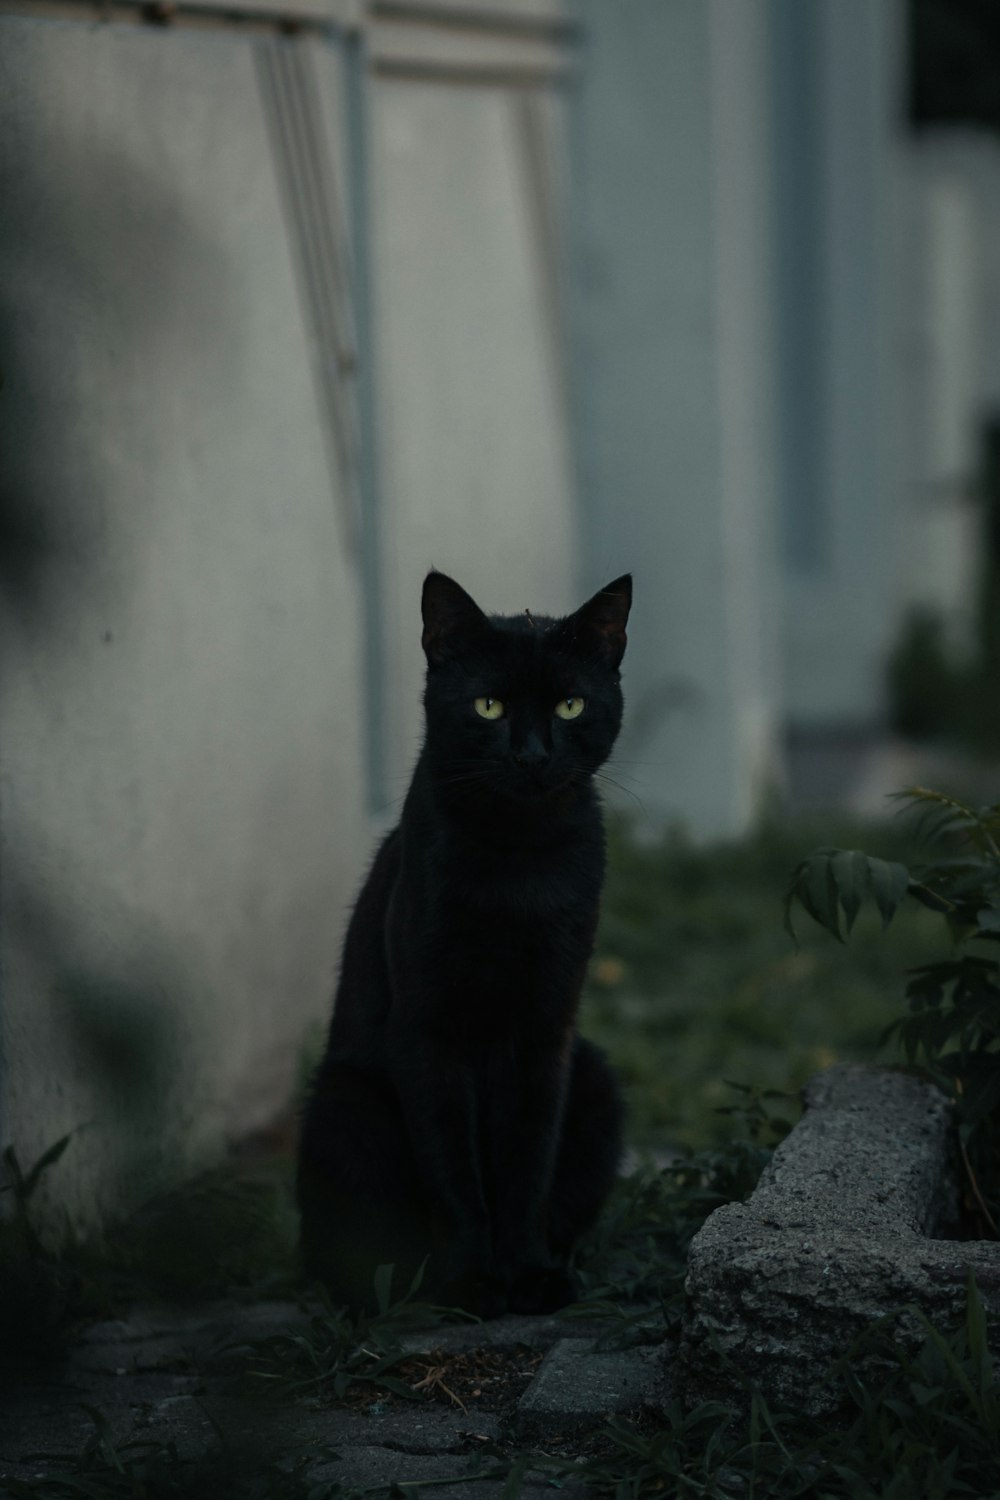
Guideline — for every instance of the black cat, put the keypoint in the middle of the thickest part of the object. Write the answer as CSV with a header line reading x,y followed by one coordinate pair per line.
x,y
456,1114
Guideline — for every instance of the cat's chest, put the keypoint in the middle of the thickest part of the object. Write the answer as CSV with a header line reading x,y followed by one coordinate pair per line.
x,y
489,944
517,896
484,879
493,986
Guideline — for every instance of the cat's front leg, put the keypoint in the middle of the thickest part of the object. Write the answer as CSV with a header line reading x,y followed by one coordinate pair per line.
x,y
527,1096
437,1093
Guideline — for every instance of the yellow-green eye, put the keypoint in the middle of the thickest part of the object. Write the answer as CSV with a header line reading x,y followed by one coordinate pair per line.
x,y
489,708
569,708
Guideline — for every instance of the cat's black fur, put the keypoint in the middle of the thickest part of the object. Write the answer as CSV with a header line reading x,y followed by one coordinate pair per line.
x,y
456,1113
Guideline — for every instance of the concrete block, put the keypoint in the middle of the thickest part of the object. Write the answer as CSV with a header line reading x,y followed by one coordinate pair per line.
x,y
848,1223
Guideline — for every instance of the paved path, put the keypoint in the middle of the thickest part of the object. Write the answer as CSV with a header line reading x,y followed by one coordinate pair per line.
x,y
177,1382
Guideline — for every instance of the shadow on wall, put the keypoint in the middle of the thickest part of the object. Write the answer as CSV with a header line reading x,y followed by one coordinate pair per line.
x,y
91,1098
111,294
108,286
112,1044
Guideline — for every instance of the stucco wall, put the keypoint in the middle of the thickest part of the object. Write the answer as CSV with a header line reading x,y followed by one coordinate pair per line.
x,y
950,365
472,424
182,810
674,380
840,124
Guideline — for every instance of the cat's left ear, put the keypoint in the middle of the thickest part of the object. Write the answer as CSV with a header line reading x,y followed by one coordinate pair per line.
x,y
451,617
599,625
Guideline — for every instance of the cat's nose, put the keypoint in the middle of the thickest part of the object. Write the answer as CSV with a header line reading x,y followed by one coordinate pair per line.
x,y
531,752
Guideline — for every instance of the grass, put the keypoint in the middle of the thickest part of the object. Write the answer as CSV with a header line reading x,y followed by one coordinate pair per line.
x,y
695,981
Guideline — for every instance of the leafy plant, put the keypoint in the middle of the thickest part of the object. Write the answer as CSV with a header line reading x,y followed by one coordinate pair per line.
x,y
33,1285
24,1184
951,1028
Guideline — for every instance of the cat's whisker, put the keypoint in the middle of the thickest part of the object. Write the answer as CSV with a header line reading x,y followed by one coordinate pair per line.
x,y
628,792
466,777
627,761
619,772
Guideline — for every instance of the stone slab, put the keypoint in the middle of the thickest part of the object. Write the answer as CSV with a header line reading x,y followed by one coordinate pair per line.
x,y
419,1427
176,1377
843,1228
578,1386
368,1468
160,1338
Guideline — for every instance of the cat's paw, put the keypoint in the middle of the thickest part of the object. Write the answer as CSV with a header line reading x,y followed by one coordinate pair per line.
x,y
482,1295
541,1289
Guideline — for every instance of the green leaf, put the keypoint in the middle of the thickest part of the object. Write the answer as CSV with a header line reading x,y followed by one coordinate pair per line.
x,y
515,1479
831,880
46,1160
417,1281
975,1316
924,1394
933,900
821,891
14,1167
890,882
383,1288
850,874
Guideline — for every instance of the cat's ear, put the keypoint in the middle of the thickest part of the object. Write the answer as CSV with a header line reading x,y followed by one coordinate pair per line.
x,y
451,617
598,627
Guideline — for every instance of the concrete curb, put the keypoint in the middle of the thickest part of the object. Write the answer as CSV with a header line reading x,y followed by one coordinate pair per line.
x,y
847,1224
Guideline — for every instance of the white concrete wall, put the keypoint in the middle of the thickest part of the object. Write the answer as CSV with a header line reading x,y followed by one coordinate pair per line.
x,y
840,110
473,429
951,364
182,814
674,373
475,464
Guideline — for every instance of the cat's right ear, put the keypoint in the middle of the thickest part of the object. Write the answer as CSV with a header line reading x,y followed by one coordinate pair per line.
x,y
451,617
598,627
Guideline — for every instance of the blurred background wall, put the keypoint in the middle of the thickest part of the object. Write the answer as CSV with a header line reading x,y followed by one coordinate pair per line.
x,y
302,297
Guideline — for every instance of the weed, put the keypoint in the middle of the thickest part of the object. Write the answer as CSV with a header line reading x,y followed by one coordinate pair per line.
x,y
336,1354
35,1287
951,1028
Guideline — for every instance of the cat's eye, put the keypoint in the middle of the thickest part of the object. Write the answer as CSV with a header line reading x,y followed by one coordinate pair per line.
x,y
569,708
489,708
